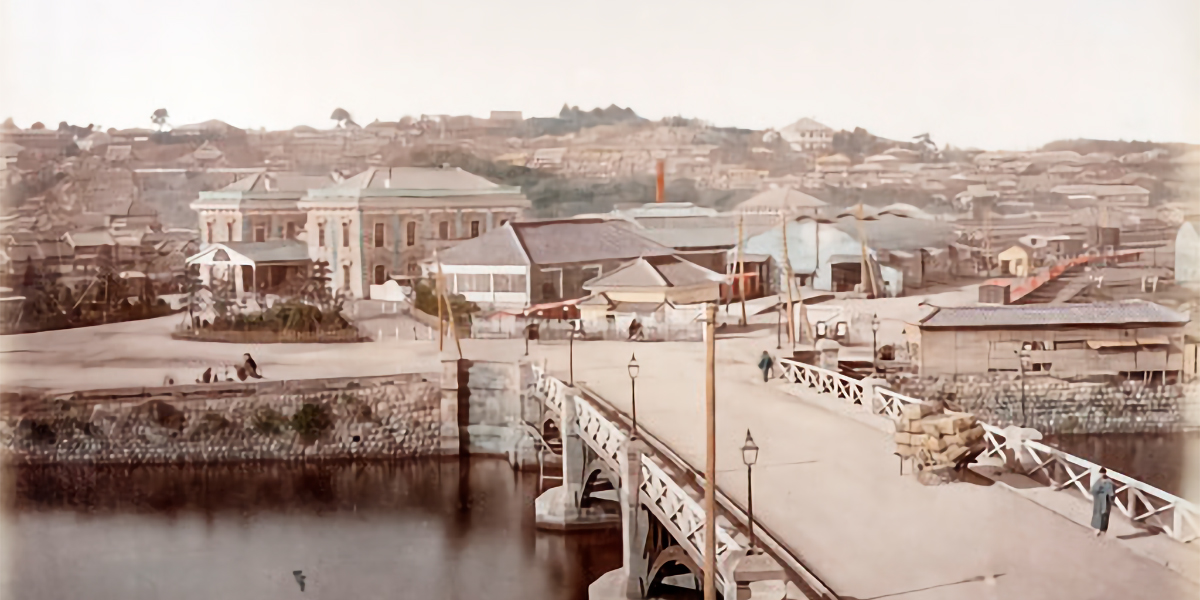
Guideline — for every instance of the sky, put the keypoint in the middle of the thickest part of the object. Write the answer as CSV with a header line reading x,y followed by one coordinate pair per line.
x,y
994,75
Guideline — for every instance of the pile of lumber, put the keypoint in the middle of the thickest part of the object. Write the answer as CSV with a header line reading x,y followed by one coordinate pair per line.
x,y
936,437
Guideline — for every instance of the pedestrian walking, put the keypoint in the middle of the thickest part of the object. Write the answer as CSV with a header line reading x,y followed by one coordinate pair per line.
x,y
1102,500
764,364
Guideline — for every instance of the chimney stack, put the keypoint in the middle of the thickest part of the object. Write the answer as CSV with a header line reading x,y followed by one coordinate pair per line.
x,y
659,189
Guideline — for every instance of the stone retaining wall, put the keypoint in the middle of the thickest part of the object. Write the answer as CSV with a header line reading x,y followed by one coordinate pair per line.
x,y
1054,406
380,417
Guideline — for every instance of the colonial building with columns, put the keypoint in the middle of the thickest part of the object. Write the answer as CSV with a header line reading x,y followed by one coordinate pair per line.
x,y
370,227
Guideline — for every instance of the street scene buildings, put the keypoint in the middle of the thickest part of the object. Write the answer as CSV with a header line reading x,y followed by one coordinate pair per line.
x,y
604,351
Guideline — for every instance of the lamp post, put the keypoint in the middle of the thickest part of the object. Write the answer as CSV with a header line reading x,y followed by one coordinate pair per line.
x,y
1023,356
874,341
779,329
633,373
750,456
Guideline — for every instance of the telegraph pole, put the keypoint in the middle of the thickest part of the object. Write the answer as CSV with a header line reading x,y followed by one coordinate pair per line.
x,y
710,462
741,262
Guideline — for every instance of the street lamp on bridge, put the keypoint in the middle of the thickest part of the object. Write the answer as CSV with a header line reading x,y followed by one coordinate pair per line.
x,y
874,341
750,456
633,373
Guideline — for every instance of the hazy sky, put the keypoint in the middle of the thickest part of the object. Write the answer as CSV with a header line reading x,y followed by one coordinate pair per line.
x,y
1011,74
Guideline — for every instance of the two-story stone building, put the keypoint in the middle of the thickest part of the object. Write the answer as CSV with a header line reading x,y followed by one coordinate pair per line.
x,y
379,223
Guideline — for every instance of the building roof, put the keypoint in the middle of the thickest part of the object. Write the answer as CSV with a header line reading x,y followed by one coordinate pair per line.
x,y
1100,190
413,181
1131,313
88,238
655,272
275,251
807,124
668,209
278,182
696,237
582,240
499,246
784,199
891,232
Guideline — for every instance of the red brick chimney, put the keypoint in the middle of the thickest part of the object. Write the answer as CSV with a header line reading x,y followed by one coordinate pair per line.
x,y
659,190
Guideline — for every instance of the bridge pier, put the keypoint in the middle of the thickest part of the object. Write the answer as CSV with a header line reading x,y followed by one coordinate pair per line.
x,y
562,507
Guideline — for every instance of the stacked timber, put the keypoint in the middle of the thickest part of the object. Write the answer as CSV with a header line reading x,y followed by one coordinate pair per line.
x,y
939,441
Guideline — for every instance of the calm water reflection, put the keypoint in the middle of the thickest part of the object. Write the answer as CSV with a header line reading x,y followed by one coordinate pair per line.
x,y
428,529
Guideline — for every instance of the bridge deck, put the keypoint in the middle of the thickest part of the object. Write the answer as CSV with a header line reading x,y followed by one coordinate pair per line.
x,y
829,487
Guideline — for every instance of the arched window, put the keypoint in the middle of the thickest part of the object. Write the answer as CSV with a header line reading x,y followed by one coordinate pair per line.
x,y
346,276
380,274
378,235
345,235
321,235
444,230
411,233
229,232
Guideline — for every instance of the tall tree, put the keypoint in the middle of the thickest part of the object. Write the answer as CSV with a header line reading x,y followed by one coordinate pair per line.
x,y
342,116
159,118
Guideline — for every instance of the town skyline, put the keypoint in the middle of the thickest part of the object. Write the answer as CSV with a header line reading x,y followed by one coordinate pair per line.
x,y
961,73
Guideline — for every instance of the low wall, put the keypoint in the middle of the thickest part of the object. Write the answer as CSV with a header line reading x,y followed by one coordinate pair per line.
x,y
1059,407
269,337
380,417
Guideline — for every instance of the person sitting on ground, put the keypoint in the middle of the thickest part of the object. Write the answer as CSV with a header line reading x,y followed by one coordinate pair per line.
x,y
635,331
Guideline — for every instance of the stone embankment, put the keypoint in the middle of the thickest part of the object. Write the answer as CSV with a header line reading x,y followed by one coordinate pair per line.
x,y
1060,407
380,417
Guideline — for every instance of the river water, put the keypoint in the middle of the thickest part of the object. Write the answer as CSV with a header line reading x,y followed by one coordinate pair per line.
x,y
1168,461
424,529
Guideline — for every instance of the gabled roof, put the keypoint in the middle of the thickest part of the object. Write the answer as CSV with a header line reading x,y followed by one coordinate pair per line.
x,y
1131,313
497,247
244,253
583,240
655,272
807,124
784,199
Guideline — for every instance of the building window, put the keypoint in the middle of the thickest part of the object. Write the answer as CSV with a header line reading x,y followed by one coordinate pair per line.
x,y
548,291
209,239
291,230
260,234
229,232
380,274
321,235
346,276
379,235
474,229
411,233
444,230
413,269
345,235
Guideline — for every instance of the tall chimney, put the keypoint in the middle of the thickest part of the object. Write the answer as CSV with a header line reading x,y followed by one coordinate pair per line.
x,y
659,191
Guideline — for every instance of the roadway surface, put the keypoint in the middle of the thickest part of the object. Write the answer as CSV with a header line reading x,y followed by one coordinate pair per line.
x,y
826,485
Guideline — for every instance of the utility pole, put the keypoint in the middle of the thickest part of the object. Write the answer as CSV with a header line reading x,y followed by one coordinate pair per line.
x,y
710,462
741,271
787,268
437,287
449,312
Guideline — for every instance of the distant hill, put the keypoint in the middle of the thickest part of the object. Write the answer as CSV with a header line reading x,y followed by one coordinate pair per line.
x,y
1115,147
571,119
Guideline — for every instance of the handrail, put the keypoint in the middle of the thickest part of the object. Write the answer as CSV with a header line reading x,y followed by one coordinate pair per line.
x,y
1184,525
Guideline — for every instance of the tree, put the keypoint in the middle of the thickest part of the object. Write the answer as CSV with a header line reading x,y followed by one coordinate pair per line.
x,y
159,118
342,116
39,126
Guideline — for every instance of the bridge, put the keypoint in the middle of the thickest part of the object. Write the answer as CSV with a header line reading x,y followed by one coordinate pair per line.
x,y
834,517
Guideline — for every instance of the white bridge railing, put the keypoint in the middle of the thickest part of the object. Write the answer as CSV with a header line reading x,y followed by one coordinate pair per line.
x,y
659,493
684,517
1140,502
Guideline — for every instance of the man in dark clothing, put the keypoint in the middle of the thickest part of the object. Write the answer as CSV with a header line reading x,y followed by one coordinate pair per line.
x,y
764,364
251,367
1102,500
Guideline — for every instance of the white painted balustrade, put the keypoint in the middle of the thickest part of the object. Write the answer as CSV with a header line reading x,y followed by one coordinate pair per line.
x,y
1140,502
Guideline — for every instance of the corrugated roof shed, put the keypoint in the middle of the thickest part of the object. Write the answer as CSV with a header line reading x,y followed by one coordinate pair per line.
x,y
1133,313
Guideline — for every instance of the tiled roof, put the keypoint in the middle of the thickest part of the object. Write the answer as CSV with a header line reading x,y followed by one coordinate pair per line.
x,y
1131,313
580,240
496,247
